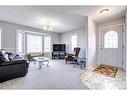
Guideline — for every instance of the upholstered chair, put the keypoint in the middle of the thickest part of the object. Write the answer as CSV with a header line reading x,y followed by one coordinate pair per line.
x,y
73,56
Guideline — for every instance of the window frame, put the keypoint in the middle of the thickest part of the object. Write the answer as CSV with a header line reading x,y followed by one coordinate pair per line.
x,y
23,42
72,46
49,44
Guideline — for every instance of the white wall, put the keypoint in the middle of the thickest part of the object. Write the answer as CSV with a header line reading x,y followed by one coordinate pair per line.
x,y
81,40
9,35
86,40
91,47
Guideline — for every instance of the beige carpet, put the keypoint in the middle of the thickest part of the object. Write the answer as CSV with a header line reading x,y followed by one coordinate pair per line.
x,y
101,82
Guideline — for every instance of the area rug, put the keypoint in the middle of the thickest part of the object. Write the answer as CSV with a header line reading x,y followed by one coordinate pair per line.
x,y
96,81
106,70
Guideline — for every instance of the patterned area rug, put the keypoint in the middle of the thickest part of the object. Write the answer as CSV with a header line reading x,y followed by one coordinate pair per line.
x,y
106,70
96,81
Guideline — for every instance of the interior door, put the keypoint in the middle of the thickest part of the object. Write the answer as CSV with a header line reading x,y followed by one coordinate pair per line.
x,y
111,46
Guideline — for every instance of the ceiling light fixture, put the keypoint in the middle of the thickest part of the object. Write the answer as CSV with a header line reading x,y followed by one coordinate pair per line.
x,y
48,26
104,11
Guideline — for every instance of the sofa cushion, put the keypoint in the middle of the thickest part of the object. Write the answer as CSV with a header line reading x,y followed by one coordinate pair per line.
x,y
2,59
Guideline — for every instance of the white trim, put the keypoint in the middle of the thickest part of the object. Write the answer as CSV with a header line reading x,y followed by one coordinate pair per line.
x,y
102,27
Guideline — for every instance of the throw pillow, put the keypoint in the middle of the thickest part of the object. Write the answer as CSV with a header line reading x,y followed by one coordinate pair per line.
x,y
11,56
2,51
6,56
3,56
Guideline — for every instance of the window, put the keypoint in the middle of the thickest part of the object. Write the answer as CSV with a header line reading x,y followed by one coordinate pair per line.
x,y
34,43
73,42
20,42
111,39
47,43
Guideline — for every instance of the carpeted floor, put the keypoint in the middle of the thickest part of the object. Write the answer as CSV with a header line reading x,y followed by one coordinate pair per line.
x,y
57,76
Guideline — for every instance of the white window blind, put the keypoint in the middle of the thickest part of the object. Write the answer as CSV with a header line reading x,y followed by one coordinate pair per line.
x,y
34,43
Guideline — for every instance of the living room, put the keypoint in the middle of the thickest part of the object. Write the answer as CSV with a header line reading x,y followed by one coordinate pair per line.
x,y
38,34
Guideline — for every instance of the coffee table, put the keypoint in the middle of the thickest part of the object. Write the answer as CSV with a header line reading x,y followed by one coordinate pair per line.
x,y
41,60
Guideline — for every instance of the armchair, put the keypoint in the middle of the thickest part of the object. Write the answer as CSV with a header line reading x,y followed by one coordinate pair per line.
x,y
73,56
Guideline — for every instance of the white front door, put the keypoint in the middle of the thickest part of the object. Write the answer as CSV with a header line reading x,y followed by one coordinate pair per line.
x,y
111,46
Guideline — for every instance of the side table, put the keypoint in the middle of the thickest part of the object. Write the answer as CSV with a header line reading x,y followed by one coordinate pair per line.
x,y
82,63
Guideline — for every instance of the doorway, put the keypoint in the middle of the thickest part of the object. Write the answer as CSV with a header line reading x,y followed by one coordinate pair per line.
x,y
111,46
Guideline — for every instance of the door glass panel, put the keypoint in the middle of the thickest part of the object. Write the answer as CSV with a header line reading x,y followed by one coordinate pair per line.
x,y
111,39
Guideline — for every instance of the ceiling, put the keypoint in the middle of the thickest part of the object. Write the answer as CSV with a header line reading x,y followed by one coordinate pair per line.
x,y
63,18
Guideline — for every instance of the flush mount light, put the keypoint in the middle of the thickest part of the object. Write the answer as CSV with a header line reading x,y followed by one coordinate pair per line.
x,y
104,11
